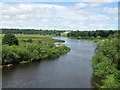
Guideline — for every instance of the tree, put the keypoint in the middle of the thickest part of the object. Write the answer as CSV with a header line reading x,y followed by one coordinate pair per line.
x,y
10,39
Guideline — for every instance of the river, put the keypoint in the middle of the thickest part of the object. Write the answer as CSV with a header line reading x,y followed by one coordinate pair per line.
x,y
71,70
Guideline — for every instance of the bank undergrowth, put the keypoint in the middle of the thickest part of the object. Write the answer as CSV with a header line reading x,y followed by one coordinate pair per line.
x,y
106,63
30,52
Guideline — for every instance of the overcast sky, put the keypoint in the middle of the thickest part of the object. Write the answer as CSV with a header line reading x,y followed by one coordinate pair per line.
x,y
60,15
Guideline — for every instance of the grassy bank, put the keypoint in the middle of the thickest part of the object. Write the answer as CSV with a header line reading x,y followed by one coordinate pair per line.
x,y
35,37
89,39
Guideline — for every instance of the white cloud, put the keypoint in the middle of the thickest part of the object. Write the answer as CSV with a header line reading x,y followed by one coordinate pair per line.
x,y
48,16
26,6
110,10
101,0
23,16
81,5
6,17
98,17
96,4
45,20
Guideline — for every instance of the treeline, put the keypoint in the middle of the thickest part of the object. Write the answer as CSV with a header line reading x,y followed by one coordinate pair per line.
x,y
106,62
32,31
92,34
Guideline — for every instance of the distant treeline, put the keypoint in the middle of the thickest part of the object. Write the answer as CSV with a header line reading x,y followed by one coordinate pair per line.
x,y
75,34
90,34
32,31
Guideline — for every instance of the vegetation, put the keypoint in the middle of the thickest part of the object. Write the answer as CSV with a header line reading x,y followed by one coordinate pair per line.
x,y
30,50
35,38
91,35
10,39
106,62
32,31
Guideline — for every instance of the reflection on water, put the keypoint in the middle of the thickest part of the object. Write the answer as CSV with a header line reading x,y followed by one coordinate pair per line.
x,y
71,70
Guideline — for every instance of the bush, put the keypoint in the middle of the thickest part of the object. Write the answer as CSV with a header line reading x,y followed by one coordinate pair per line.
x,y
10,39
30,52
29,40
111,82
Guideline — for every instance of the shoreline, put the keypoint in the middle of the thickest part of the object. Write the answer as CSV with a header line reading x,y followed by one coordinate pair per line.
x,y
87,39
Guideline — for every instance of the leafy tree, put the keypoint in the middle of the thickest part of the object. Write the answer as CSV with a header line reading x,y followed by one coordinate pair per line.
x,y
10,39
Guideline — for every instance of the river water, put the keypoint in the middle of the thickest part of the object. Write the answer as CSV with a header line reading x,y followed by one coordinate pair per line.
x,y
71,70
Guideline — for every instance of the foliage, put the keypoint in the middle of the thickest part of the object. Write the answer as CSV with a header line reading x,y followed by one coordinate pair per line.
x,y
36,38
111,82
29,40
10,39
32,31
106,63
30,52
91,34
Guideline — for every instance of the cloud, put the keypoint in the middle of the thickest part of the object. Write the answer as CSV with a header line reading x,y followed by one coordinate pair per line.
x,y
81,5
101,0
50,16
90,4
98,17
94,3
23,16
110,10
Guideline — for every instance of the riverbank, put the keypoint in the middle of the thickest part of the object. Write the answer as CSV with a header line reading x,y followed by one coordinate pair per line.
x,y
106,63
88,39
32,52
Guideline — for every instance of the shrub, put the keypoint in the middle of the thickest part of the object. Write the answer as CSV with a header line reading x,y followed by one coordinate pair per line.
x,y
30,52
10,39
30,40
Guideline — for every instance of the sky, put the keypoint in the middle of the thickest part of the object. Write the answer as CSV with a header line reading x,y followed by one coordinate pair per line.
x,y
70,15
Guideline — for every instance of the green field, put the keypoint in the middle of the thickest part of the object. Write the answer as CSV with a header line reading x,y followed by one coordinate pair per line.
x,y
36,38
